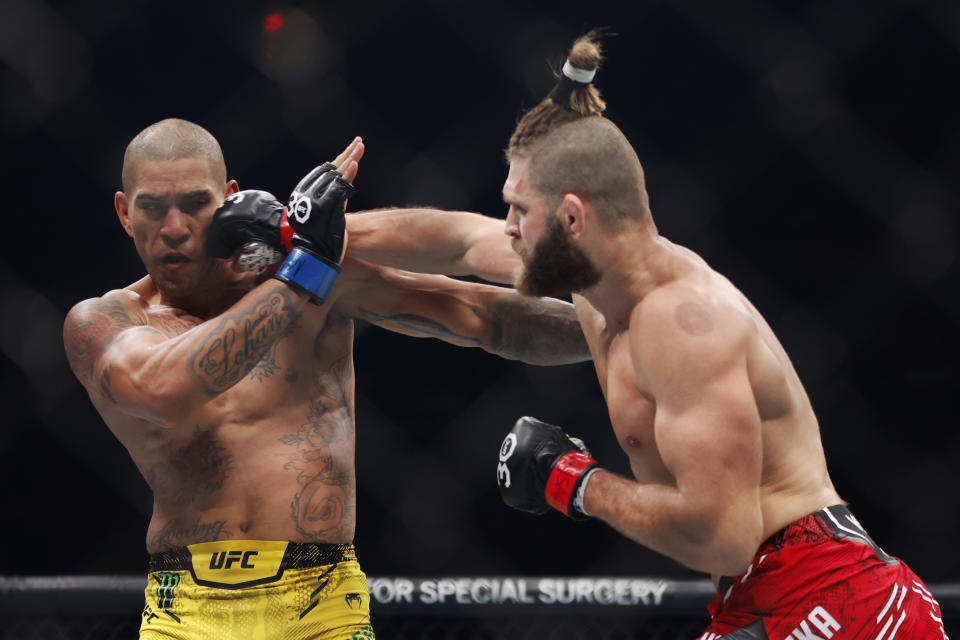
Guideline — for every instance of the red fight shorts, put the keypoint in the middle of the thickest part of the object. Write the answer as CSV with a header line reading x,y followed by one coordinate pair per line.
x,y
822,578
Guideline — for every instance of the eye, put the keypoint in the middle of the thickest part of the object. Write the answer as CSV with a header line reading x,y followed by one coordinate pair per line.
x,y
153,209
193,205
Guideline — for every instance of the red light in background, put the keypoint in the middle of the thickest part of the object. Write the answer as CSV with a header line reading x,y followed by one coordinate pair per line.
x,y
272,22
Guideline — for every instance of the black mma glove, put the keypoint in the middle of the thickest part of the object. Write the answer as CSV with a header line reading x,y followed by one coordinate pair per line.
x,y
315,213
542,467
255,221
310,232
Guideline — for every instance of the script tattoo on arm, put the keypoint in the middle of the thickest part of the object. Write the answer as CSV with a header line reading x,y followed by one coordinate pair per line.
x,y
240,338
538,331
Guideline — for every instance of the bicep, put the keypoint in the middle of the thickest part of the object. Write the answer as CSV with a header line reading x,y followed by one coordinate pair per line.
x,y
707,425
708,435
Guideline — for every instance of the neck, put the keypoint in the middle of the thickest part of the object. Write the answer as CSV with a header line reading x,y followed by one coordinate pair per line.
x,y
209,299
633,263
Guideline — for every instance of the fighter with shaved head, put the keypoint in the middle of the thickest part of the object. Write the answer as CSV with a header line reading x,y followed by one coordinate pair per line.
x,y
230,382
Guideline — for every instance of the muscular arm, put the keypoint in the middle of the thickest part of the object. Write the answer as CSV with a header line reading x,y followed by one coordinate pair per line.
x,y
434,241
692,359
160,373
539,331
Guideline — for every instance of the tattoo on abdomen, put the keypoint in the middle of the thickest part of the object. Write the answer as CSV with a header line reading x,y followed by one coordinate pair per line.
x,y
322,509
178,534
242,340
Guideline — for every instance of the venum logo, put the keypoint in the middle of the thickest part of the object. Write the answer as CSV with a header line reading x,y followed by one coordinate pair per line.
x,y
506,450
301,209
353,599
226,559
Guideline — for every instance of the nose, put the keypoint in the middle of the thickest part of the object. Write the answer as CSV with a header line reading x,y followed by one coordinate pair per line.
x,y
175,230
512,226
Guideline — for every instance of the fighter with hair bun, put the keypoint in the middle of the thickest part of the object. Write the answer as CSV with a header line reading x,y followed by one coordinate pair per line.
x,y
729,473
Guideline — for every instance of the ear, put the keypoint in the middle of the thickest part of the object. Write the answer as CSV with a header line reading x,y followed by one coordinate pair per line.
x,y
122,207
232,188
572,210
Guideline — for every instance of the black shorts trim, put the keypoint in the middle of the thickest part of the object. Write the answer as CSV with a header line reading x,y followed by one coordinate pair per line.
x,y
298,555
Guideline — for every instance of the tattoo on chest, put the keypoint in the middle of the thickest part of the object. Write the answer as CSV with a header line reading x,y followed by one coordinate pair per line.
x,y
322,509
172,322
196,471
241,340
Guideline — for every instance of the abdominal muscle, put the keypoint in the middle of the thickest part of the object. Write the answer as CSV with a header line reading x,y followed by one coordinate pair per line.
x,y
264,481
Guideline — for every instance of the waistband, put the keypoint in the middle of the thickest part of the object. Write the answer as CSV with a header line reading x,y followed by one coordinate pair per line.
x,y
830,523
234,564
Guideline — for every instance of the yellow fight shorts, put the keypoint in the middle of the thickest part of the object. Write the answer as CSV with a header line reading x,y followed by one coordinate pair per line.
x,y
256,590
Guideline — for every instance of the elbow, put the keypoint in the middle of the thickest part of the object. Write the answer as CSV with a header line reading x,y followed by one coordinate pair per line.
x,y
732,549
731,558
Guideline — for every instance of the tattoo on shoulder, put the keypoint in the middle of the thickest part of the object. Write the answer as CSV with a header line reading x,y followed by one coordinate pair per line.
x,y
88,333
693,318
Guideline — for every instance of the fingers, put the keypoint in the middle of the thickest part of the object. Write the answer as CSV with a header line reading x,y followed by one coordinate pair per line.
x,y
349,171
349,154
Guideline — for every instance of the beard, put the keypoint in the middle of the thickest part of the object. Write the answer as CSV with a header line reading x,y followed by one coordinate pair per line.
x,y
555,267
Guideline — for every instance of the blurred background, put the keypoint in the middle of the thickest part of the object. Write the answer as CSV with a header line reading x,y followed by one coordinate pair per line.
x,y
808,150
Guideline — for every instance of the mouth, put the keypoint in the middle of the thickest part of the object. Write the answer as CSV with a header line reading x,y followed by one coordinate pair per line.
x,y
170,259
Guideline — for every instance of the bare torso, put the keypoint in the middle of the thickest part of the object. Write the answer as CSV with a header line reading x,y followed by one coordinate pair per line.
x,y
794,479
270,458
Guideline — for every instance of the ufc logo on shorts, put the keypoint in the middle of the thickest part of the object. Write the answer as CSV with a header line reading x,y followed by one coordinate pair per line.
x,y
506,450
821,620
232,557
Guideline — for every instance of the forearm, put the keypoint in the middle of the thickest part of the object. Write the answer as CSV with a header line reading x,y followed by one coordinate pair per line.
x,y
434,241
662,518
167,380
541,331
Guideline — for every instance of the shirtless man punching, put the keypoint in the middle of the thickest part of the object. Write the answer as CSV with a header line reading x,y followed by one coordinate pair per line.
x,y
729,474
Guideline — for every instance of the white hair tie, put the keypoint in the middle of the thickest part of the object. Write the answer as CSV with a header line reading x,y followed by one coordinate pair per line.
x,y
581,76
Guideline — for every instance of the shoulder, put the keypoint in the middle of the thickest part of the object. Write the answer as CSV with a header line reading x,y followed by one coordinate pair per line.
x,y
117,304
688,328
91,326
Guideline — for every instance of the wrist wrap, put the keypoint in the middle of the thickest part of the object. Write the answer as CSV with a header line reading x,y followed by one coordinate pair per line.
x,y
564,478
309,273
286,232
